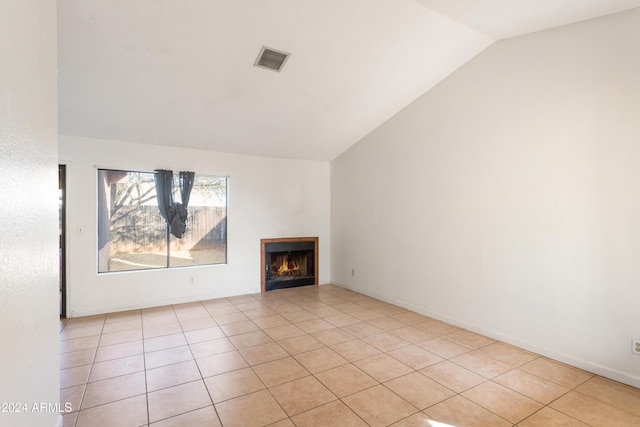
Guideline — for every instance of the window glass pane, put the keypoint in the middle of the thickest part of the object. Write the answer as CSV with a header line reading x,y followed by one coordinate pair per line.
x,y
205,240
131,231
132,235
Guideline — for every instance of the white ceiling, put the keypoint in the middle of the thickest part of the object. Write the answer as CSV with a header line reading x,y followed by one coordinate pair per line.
x,y
501,19
181,73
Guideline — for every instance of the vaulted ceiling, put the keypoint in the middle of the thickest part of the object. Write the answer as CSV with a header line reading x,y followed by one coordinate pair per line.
x,y
181,73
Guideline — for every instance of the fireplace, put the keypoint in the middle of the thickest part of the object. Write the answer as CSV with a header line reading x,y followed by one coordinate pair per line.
x,y
288,262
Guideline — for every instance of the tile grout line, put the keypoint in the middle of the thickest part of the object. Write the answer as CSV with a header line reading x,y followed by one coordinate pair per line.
x,y
144,364
86,385
198,368
257,376
326,346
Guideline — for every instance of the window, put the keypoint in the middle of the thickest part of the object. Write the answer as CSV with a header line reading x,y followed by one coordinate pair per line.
x,y
132,235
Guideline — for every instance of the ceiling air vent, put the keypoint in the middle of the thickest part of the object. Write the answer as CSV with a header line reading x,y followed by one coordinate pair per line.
x,y
271,59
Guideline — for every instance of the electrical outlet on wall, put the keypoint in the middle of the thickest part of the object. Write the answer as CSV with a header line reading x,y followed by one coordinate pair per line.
x,y
635,348
192,280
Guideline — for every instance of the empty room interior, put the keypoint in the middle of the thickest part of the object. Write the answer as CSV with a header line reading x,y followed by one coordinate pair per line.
x,y
320,212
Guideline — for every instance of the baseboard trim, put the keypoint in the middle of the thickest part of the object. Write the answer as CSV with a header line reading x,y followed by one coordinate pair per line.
x,y
90,311
594,368
125,307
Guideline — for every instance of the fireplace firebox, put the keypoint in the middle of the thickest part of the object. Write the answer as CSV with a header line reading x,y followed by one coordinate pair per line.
x,y
289,262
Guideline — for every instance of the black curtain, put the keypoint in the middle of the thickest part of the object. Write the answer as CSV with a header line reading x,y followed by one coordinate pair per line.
x,y
174,213
164,192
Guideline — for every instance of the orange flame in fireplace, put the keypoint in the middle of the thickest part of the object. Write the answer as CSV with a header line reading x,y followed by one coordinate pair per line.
x,y
288,266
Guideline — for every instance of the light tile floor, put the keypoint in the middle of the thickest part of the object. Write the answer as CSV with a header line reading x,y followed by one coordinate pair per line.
x,y
316,356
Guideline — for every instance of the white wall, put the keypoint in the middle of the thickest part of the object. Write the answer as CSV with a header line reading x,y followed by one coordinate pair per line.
x,y
507,199
267,198
29,212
